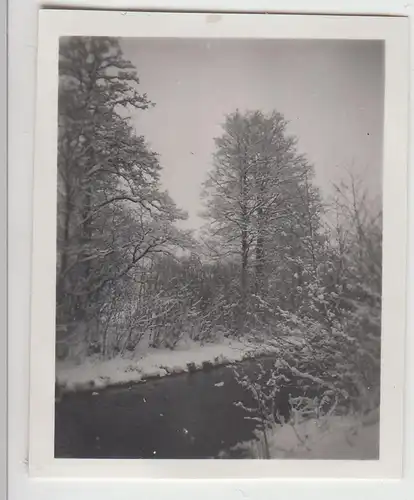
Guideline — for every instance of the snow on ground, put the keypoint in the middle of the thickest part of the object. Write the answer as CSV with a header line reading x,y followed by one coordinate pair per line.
x,y
334,438
97,373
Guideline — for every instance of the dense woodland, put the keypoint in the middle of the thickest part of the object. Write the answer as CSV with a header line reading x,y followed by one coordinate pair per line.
x,y
274,259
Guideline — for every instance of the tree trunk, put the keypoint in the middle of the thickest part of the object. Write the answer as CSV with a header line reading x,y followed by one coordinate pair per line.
x,y
244,263
244,255
84,270
260,214
259,283
65,239
62,306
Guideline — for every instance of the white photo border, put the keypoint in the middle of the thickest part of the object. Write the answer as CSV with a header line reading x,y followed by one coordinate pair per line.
x,y
56,23
3,250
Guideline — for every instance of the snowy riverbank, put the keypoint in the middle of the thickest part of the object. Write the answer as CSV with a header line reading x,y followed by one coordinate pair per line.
x,y
97,373
332,438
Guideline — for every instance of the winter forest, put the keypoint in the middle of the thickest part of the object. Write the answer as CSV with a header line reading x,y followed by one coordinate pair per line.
x,y
280,283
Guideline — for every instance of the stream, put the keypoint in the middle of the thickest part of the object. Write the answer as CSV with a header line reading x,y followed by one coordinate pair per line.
x,y
180,416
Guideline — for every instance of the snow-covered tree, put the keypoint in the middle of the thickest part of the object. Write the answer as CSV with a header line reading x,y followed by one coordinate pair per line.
x,y
112,212
258,195
330,345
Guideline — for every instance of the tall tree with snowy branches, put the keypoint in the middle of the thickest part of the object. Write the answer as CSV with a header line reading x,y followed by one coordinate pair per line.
x,y
112,213
258,190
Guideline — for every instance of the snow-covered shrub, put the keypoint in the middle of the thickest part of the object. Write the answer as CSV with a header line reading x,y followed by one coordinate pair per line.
x,y
334,359
264,390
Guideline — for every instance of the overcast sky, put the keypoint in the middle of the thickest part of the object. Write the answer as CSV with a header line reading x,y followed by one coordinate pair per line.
x,y
330,91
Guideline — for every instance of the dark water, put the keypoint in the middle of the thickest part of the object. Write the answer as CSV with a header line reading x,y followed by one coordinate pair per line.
x,y
184,416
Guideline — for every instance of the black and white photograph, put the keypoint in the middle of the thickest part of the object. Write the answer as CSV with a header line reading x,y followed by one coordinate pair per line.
x,y
219,248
